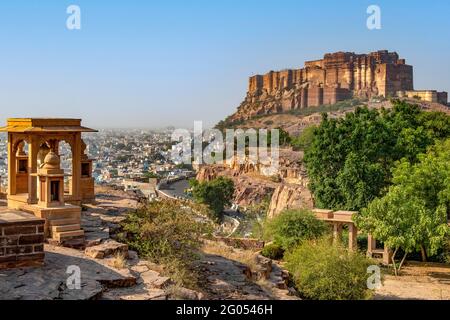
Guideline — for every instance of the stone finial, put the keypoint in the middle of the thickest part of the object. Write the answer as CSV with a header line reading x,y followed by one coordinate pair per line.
x,y
51,161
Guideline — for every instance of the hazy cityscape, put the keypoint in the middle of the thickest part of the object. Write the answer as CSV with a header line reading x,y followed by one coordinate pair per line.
x,y
119,154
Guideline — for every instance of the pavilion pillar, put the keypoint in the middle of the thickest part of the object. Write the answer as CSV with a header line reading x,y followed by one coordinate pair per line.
x,y
352,237
337,232
33,149
76,166
11,166
371,244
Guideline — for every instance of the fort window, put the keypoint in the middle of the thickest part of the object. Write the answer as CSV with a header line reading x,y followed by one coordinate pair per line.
x,y
54,191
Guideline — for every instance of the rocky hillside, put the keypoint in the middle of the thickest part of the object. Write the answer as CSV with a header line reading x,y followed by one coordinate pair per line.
x,y
288,188
253,183
294,122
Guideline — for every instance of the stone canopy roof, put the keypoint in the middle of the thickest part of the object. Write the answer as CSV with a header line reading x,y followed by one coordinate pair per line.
x,y
43,125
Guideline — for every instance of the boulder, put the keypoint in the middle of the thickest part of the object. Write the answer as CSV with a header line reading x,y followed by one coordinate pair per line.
x,y
106,249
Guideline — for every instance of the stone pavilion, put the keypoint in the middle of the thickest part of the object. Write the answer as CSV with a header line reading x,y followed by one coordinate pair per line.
x,y
36,180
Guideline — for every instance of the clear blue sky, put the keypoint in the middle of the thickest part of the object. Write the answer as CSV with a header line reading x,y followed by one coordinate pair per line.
x,y
158,63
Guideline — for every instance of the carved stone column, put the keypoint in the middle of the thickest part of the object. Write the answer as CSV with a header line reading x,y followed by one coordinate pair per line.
x,y
76,166
11,165
33,149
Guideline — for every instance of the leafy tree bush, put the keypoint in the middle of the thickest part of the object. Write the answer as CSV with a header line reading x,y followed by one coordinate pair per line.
x,y
322,271
349,160
165,232
216,194
273,251
291,227
413,214
305,139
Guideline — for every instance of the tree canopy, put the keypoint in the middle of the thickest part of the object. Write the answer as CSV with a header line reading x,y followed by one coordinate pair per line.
x,y
216,194
349,160
413,214
291,227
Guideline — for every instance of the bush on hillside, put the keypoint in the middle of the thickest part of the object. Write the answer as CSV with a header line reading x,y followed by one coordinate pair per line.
x,y
291,227
322,271
165,232
273,251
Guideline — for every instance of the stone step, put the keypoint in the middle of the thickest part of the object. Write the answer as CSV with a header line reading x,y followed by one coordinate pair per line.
x,y
67,227
63,222
68,234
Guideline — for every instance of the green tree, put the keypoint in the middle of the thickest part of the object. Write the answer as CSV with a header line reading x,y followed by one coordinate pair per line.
x,y
349,160
291,227
216,194
305,139
413,214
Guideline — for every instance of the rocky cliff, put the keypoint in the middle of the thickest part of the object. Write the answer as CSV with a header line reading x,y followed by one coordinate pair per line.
x,y
289,196
336,77
286,189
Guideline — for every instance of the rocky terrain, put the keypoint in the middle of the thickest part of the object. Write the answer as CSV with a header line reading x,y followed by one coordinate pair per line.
x,y
294,123
288,188
110,271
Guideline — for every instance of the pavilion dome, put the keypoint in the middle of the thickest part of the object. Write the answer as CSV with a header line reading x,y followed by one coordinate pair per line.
x,y
51,161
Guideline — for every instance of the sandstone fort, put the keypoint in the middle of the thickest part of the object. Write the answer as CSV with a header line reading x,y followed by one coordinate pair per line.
x,y
336,77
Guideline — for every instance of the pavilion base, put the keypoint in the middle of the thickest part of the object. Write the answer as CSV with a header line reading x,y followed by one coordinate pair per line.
x,y
17,201
73,201
87,191
62,224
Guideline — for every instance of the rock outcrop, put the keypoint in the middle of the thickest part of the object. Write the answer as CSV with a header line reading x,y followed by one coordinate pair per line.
x,y
106,249
287,188
336,77
289,196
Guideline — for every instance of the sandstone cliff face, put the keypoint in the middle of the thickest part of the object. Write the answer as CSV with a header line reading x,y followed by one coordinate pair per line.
x,y
336,77
250,188
289,196
287,189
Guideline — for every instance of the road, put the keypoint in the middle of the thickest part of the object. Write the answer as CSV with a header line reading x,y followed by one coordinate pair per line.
x,y
176,189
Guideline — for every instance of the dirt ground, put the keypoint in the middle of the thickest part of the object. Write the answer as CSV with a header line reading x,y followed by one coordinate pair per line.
x,y
424,281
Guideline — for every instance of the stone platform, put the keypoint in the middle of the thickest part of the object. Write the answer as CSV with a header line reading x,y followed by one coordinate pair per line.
x,y
21,239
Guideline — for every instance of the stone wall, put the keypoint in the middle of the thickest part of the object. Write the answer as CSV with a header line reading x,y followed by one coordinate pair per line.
x,y
21,240
425,95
